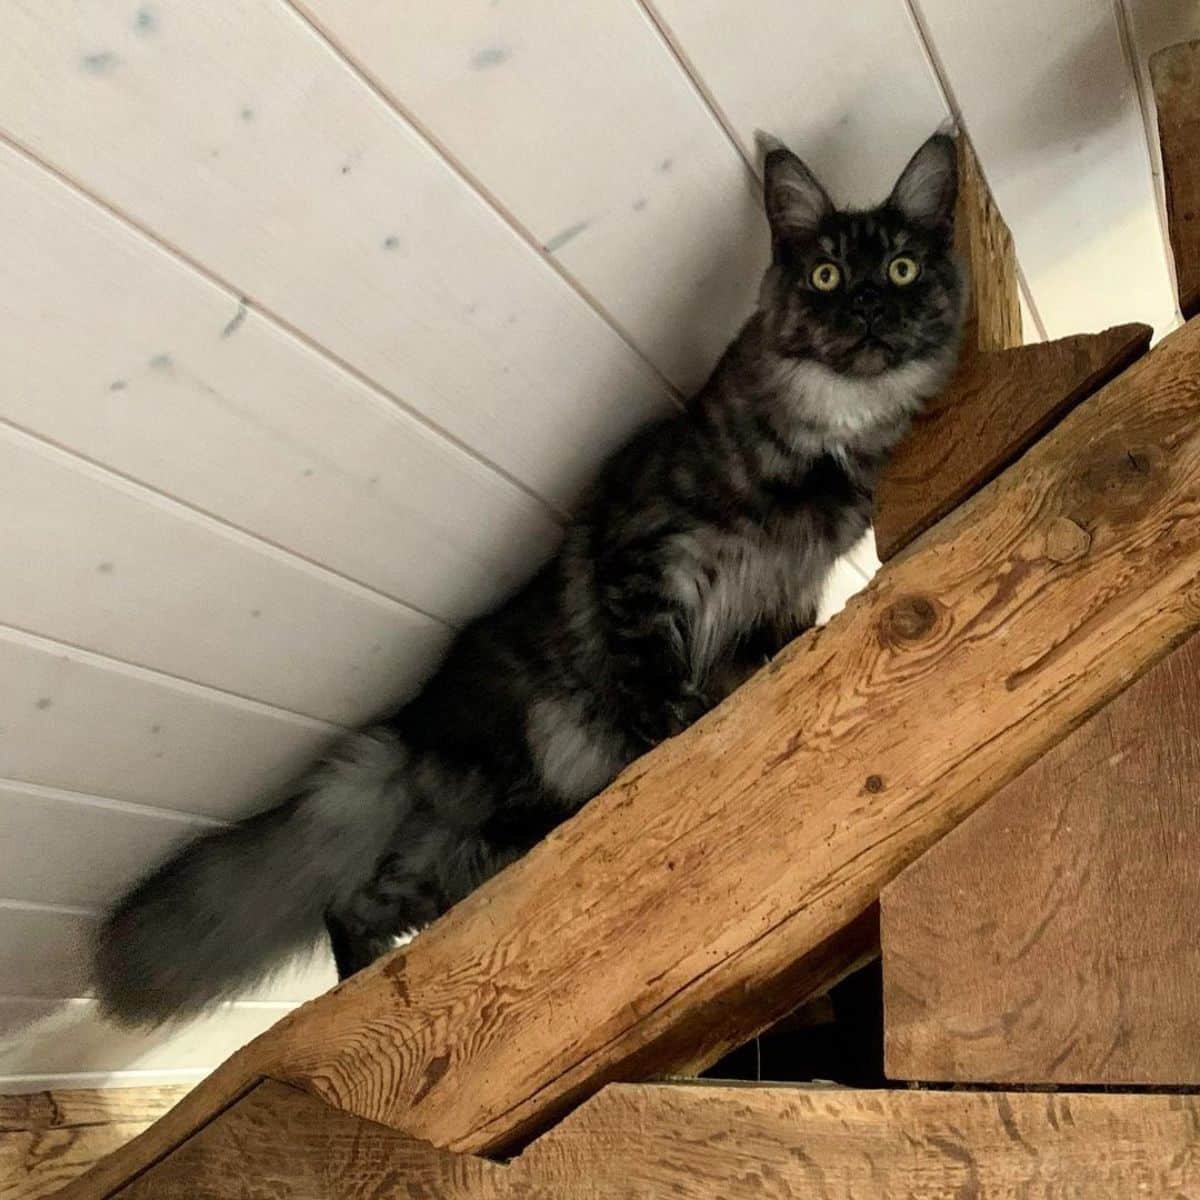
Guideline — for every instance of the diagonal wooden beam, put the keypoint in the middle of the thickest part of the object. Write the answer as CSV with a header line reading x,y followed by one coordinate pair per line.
x,y
1175,72
1050,938
695,900
995,408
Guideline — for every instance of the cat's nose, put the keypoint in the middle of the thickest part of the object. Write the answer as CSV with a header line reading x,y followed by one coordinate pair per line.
x,y
866,303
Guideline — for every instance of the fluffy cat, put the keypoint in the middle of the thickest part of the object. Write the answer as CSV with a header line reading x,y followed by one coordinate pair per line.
x,y
701,549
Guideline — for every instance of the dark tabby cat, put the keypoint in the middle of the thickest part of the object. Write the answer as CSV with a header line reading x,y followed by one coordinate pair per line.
x,y
701,549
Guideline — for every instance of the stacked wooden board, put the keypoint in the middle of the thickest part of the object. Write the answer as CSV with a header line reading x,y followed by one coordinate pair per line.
x,y
1044,556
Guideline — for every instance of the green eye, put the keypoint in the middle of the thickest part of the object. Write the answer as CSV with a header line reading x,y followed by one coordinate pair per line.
x,y
903,270
825,276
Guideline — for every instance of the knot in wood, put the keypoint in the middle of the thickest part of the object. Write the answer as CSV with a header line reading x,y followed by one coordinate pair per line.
x,y
1120,481
875,784
1066,541
909,619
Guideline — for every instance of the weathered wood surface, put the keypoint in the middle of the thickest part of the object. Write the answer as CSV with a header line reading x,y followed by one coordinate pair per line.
x,y
993,319
1051,937
279,1143
37,1162
696,1142
731,857
997,406
48,1138
74,1107
703,1141
1176,75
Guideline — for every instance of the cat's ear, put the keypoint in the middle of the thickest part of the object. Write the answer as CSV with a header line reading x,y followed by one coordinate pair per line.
x,y
928,186
796,202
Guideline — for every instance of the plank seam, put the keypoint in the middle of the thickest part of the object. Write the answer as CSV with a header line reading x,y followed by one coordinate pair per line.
x,y
707,97
155,497
367,78
15,633
110,804
238,296
941,77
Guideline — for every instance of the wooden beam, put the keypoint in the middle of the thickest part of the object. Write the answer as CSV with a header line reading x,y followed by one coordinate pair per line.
x,y
695,1142
279,1142
993,319
703,894
642,1142
48,1138
1051,937
72,1108
1175,72
997,406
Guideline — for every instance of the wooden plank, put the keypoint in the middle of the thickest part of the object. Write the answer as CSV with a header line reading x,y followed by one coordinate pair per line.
x,y
700,1141
1176,75
869,98
694,1142
35,1164
526,97
294,1147
126,573
48,1138
101,846
236,134
1048,97
247,422
76,1107
734,854
993,318
75,720
994,410
1049,937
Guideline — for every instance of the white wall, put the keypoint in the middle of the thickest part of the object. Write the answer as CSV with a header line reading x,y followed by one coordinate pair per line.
x,y
316,315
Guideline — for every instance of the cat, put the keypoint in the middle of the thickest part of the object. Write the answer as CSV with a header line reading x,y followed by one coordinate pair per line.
x,y
700,550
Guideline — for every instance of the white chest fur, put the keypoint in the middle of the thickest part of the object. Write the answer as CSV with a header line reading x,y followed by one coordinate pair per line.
x,y
728,585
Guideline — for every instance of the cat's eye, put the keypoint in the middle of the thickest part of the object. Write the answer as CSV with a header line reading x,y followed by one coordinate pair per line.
x,y
825,276
903,270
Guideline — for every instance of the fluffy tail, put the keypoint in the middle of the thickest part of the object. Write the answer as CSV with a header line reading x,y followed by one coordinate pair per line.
x,y
233,906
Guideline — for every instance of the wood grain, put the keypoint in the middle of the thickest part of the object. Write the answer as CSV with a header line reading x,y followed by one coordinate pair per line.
x,y
1175,72
47,1138
695,1142
996,407
993,319
36,1163
75,1107
733,855
1050,938
277,1143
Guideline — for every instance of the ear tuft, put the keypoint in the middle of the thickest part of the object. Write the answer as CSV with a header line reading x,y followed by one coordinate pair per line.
x,y
928,186
796,203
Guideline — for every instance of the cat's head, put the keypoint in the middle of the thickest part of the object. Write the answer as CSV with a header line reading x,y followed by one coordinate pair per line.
x,y
864,292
